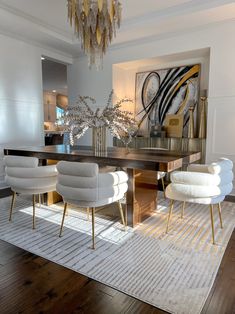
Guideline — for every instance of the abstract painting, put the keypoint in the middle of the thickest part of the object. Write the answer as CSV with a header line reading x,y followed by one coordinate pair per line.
x,y
166,91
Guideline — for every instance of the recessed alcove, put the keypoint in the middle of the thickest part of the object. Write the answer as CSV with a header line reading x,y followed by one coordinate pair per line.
x,y
124,80
124,73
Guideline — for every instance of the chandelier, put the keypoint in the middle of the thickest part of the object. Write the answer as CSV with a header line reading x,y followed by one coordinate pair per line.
x,y
95,23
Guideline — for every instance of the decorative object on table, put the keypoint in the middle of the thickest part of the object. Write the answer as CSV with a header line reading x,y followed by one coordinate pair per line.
x,y
78,118
191,123
202,122
95,23
166,91
157,131
99,142
174,125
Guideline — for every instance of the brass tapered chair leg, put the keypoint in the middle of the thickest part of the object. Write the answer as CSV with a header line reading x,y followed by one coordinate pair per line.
x,y
12,204
34,201
212,224
93,227
220,215
163,187
62,222
39,200
121,214
182,210
88,213
169,215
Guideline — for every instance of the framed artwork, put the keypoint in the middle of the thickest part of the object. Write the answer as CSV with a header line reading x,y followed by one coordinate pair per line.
x,y
163,92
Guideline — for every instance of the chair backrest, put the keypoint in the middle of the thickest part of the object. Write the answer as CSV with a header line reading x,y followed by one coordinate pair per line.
x,y
210,180
223,165
20,162
78,179
23,175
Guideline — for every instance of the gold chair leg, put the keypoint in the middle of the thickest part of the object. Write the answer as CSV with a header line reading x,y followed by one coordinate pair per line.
x,y
39,200
169,215
62,222
93,227
12,204
182,210
220,215
121,213
212,224
88,213
163,187
34,201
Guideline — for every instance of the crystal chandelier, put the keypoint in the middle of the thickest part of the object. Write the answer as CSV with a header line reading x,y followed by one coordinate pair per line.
x,y
95,23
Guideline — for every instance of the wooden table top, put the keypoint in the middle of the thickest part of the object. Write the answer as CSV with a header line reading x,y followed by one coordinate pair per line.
x,y
145,159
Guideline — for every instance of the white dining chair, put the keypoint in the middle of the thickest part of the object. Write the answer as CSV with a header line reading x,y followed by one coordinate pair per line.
x,y
24,176
202,184
82,184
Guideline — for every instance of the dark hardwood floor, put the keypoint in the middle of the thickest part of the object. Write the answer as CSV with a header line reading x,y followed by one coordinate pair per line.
x,y
31,284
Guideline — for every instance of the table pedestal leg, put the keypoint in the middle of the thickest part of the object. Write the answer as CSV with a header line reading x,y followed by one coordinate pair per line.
x,y
141,200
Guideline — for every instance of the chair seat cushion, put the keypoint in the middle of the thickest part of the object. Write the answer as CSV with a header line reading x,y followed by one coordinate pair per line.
x,y
91,195
181,191
18,184
31,191
17,161
204,179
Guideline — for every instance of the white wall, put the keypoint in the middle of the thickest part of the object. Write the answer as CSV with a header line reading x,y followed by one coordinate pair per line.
x,y
21,102
221,101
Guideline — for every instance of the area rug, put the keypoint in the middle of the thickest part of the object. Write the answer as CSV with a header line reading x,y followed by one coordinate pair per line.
x,y
174,271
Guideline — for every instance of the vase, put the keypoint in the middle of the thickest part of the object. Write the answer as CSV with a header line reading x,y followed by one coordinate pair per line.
x,y
202,124
191,123
99,140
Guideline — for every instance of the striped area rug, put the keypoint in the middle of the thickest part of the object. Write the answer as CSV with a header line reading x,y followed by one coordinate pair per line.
x,y
174,272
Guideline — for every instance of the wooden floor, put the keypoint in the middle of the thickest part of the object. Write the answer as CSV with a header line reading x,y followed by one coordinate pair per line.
x,y
31,284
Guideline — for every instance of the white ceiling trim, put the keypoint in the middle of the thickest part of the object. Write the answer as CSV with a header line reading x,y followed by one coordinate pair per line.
x,y
42,26
46,50
168,35
177,10
70,38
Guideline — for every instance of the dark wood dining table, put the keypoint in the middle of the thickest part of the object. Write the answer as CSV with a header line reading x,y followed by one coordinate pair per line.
x,y
141,198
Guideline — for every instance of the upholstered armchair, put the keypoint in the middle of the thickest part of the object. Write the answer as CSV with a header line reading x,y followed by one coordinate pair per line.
x,y
203,184
24,176
82,184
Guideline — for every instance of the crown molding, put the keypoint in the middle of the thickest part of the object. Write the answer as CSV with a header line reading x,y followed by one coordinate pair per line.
x,y
168,35
184,8
70,38
149,39
45,50
42,26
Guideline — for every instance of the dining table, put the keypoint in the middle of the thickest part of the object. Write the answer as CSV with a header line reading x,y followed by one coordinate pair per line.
x,y
141,197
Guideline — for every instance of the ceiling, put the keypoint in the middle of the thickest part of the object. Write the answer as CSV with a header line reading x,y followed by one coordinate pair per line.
x,y
45,23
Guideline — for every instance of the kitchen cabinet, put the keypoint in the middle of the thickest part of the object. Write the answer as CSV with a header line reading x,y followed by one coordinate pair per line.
x,y
49,100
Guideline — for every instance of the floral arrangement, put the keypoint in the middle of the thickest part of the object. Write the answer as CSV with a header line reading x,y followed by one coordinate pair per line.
x,y
79,117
